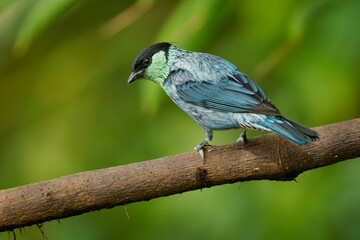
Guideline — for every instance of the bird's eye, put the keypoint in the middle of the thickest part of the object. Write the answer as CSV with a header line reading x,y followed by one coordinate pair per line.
x,y
147,61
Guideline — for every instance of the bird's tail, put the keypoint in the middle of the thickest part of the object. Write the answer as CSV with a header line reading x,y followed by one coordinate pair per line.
x,y
291,130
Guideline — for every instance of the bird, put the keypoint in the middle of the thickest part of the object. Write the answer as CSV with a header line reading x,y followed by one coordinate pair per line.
x,y
215,93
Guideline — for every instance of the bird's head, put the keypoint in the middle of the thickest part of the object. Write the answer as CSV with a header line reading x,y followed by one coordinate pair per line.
x,y
152,63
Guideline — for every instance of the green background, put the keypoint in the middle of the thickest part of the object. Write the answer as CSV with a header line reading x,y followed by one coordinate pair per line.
x,y
66,107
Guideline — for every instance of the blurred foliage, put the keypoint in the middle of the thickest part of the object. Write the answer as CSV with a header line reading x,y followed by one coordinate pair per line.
x,y
40,14
66,108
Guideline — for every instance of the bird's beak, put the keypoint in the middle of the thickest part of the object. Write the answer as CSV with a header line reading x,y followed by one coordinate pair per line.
x,y
133,76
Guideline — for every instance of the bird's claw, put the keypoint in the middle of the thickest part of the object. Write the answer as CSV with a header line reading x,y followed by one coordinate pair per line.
x,y
200,149
242,138
201,152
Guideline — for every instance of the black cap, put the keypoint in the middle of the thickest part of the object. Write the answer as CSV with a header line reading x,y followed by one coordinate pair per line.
x,y
148,53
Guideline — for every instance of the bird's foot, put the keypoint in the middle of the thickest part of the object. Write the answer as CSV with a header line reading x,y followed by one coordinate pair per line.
x,y
242,138
200,149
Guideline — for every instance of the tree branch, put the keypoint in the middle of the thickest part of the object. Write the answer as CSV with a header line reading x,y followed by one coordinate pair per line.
x,y
266,157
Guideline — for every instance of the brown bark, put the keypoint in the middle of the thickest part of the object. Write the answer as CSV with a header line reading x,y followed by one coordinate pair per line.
x,y
266,157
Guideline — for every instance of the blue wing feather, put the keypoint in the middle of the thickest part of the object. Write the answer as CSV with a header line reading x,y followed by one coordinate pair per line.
x,y
235,93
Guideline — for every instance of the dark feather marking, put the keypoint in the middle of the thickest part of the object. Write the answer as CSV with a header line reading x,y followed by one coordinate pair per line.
x,y
266,106
204,103
148,53
308,131
249,84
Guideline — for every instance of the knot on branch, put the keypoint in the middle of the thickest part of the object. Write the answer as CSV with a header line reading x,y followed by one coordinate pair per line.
x,y
200,176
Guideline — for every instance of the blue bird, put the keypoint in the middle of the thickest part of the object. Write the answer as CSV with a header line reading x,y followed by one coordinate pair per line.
x,y
214,93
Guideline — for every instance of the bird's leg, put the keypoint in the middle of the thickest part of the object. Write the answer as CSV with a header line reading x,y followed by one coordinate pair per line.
x,y
200,147
242,137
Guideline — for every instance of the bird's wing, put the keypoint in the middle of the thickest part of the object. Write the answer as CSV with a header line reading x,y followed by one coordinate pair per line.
x,y
236,93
